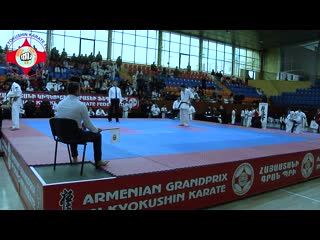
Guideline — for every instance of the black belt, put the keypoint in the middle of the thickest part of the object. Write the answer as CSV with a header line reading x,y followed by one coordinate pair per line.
x,y
181,103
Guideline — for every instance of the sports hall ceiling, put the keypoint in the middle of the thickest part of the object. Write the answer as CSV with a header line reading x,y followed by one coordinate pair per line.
x,y
260,39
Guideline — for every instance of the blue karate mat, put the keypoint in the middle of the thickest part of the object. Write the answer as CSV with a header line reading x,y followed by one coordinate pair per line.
x,y
151,137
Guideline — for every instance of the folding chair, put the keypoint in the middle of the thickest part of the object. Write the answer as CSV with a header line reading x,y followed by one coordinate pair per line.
x,y
66,131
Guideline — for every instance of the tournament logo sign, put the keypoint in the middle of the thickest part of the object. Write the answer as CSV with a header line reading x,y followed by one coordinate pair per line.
x,y
133,102
23,56
242,179
307,165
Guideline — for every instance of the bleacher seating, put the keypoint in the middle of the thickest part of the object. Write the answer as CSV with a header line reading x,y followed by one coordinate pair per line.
x,y
302,98
247,91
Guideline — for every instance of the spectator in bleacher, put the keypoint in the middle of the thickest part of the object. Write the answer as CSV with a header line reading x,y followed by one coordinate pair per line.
x,y
104,88
169,95
164,72
189,68
94,67
45,74
200,92
86,84
101,70
233,80
204,83
140,82
57,70
129,90
97,84
63,55
99,57
139,73
154,95
114,71
231,99
176,72
75,78
219,75
170,74
123,84
66,64
30,88
119,63
154,67
222,80
134,81
108,71
91,57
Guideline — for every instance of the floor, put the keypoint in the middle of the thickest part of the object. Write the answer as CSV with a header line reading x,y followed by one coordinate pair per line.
x,y
9,197
303,196
169,138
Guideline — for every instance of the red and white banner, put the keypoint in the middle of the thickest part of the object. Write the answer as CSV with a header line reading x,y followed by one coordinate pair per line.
x,y
188,188
263,112
91,100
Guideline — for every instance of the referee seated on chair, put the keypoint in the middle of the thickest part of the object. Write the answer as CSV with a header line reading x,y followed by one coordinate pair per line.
x,y
71,107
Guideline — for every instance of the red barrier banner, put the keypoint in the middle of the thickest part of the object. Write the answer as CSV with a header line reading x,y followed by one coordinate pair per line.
x,y
91,100
187,188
